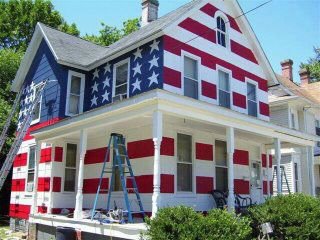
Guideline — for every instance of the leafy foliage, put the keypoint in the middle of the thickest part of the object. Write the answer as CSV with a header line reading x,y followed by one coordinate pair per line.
x,y
183,223
313,65
293,216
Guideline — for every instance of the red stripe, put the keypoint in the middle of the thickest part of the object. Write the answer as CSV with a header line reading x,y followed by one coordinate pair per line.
x,y
91,185
167,147
204,151
58,154
140,149
241,157
264,160
43,184
204,184
18,185
209,89
171,77
42,209
265,187
270,161
45,155
242,51
264,109
40,125
199,29
239,100
56,184
241,186
211,10
95,156
175,46
167,183
144,183
20,160
19,211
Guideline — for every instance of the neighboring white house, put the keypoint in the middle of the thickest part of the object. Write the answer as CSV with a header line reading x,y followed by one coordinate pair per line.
x,y
297,107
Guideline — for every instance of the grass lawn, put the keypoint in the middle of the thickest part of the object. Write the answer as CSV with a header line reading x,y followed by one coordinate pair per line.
x,y
4,227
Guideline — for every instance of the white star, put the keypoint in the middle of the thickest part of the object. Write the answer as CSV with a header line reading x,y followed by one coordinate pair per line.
x,y
154,46
106,82
137,54
96,73
19,125
26,100
20,114
153,78
107,68
32,85
24,112
154,62
105,96
95,87
94,101
136,85
137,69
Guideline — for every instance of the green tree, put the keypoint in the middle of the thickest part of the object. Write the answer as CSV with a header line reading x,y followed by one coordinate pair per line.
x,y
313,65
18,19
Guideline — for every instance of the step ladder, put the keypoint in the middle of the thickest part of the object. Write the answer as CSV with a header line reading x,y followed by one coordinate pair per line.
x,y
6,167
120,163
283,176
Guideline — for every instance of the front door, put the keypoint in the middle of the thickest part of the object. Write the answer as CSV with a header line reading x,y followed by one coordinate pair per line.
x,y
255,182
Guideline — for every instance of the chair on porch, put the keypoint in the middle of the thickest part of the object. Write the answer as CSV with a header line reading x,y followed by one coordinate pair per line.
x,y
242,203
220,198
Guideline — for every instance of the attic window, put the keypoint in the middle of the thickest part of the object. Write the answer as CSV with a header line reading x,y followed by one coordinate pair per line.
x,y
75,93
221,32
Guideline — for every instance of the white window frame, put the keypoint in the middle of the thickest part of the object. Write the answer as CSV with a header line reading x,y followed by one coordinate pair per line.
x,y
198,60
193,187
82,85
230,85
64,166
40,103
294,123
215,160
226,21
35,160
257,95
115,66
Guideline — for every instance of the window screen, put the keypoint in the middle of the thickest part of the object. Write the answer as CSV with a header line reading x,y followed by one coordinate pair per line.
x,y
190,78
252,99
221,165
121,83
224,89
70,168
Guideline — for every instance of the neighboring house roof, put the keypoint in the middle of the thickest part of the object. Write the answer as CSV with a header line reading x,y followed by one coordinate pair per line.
x,y
313,90
79,53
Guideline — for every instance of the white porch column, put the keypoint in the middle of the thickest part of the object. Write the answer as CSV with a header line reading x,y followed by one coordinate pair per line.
x,y
34,207
230,152
277,156
310,155
82,152
268,173
157,138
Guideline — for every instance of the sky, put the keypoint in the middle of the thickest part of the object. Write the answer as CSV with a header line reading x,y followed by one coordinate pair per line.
x,y
285,28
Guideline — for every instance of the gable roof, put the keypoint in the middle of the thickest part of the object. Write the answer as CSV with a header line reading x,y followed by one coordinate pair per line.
x,y
75,52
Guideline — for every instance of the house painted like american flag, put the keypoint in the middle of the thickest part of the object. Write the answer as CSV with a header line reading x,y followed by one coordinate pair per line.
x,y
189,91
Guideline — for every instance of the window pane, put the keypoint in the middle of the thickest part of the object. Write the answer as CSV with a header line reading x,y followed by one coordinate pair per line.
x,y
251,92
223,39
224,81
219,22
75,85
71,155
184,177
224,99
222,179
74,104
190,68
121,89
221,153
32,157
252,108
255,175
70,180
184,148
121,74
190,88
36,112
30,177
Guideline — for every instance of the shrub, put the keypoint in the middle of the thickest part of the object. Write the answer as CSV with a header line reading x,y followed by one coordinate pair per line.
x,y
183,223
295,216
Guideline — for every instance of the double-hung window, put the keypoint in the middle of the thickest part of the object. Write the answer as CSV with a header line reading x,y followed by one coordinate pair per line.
x,y
75,93
221,32
37,110
221,165
70,168
184,163
252,99
31,166
121,81
190,77
224,89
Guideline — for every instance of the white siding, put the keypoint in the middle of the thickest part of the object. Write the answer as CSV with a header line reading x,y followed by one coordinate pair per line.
x,y
279,116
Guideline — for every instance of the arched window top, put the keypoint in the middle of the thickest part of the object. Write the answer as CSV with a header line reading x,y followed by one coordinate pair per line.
x,y
221,31
221,25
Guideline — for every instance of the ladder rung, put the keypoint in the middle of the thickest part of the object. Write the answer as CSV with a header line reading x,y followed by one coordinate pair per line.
x,y
104,191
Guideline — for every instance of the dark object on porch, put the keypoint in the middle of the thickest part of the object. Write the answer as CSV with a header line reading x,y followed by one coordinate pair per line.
x,y
242,203
65,233
220,198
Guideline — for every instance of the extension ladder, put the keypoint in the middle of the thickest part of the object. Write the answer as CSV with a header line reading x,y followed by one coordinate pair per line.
x,y
283,176
6,167
120,163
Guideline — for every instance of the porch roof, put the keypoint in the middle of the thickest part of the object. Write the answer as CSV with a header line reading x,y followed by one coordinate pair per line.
x,y
176,105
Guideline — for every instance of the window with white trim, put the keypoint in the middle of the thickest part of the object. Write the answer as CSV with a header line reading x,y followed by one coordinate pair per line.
x,y
75,93
221,165
221,32
31,166
224,89
184,163
70,167
121,81
252,99
37,110
190,77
